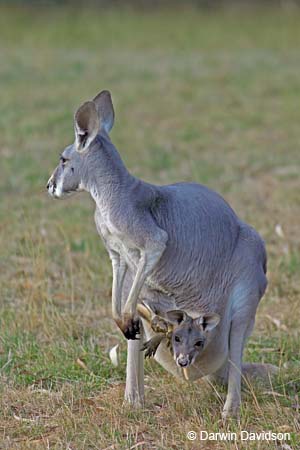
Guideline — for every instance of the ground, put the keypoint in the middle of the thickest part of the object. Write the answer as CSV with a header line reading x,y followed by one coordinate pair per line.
x,y
208,97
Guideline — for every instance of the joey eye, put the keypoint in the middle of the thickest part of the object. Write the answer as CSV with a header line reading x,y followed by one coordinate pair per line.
x,y
177,339
199,344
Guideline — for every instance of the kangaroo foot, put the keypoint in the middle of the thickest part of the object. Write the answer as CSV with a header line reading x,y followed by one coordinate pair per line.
x,y
231,411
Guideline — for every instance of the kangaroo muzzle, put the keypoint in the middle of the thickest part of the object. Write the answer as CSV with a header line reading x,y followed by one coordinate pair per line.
x,y
183,360
51,186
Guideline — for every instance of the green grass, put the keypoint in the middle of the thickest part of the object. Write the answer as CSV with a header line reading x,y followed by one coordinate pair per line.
x,y
212,98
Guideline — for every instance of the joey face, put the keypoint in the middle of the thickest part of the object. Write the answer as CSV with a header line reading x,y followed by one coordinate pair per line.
x,y
188,342
191,336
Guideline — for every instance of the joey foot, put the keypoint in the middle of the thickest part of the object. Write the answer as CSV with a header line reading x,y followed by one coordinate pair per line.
x,y
129,325
152,345
159,325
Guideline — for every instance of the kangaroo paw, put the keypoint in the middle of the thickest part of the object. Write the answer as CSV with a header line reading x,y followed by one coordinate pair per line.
x,y
129,326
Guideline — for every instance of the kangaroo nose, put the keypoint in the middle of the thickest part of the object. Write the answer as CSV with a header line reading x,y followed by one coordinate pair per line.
x,y
51,186
49,183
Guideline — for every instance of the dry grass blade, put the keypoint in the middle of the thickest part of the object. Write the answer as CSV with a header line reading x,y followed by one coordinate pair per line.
x,y
82,364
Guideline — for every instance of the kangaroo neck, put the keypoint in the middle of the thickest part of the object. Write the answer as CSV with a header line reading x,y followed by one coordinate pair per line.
x,y
106,176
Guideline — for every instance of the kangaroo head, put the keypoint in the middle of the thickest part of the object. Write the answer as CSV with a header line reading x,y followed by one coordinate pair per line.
x,y
91,119
190,336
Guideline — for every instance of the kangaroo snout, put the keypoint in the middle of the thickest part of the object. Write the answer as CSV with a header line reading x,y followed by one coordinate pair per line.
x,y
51,186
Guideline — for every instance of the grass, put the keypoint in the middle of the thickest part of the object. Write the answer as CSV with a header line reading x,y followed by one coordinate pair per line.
x,y
207,97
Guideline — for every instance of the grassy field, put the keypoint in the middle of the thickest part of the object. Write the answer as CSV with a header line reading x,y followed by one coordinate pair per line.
x,y
213,98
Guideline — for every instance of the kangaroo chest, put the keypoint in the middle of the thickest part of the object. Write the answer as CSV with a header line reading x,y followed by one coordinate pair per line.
x,y
115,241
118,242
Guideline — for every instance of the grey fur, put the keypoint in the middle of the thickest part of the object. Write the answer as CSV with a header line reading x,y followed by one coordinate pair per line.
x,y
186,336
180,245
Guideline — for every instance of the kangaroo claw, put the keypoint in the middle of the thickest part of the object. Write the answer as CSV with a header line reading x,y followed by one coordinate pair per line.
x,y
130,327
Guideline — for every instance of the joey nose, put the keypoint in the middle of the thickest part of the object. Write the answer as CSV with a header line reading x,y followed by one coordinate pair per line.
x,y
183,362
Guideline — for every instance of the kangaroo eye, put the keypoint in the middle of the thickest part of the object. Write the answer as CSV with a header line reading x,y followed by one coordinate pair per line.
x,y
63,160
177,339
199,344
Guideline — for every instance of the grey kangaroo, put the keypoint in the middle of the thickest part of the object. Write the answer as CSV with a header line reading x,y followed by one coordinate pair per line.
x,y
181,246
186,336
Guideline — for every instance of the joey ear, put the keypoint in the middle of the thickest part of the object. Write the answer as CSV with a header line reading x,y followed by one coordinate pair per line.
x,y
208,321
105,110
176,316
86,123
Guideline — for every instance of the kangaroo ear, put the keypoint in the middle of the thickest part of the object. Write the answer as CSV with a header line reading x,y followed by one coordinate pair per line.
x,y
105,110
176,316
208,321
86,123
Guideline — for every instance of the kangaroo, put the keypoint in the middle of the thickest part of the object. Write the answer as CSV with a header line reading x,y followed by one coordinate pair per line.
x,y
186,336
180,245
